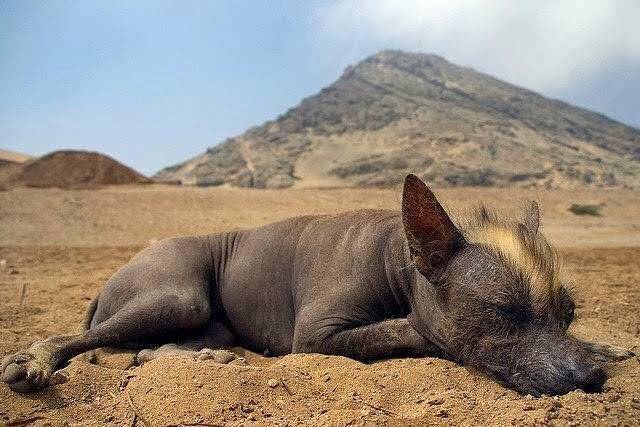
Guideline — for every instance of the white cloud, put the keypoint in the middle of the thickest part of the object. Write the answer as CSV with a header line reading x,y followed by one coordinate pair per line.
x,y
544,45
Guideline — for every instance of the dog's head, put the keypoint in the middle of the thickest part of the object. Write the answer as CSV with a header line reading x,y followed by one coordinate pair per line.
x,y
490,294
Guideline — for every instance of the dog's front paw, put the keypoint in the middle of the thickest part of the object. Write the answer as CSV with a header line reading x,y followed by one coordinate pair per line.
x,y
26,371
608,352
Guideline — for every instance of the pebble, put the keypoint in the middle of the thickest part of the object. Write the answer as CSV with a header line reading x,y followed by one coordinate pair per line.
x,y
442,413
223,356
436,401
273,383
366,412
239,361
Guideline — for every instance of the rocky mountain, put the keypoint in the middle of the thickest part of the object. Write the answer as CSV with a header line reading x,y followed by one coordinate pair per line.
x,y
397,112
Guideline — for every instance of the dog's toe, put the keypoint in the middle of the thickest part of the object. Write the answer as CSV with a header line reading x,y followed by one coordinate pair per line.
x,y
14,372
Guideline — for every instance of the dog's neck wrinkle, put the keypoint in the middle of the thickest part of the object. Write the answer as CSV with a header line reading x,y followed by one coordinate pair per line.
x,y
222,246
398,268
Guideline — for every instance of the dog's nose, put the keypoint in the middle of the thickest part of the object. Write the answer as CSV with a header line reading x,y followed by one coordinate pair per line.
x,y
590,378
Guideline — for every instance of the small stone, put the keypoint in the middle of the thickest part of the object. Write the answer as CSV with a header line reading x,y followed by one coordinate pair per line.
x,y
204,356
436,401
13,271
273,383
3,262
442,413
239,361
252,417
366,412
223,356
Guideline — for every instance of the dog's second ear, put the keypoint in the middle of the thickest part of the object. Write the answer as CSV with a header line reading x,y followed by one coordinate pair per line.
x,y
432,236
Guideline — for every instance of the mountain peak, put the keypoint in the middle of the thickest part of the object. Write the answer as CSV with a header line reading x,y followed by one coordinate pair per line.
x,y
396,113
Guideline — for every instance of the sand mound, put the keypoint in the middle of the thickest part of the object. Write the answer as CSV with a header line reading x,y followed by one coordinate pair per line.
x,y
74,169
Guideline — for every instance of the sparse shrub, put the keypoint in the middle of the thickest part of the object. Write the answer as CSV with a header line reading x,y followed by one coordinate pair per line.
x,y
580,209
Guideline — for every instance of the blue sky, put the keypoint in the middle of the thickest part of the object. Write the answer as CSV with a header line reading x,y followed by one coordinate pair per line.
x,y
152,83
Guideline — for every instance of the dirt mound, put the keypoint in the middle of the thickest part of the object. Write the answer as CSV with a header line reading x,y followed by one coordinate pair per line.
x,y
74,169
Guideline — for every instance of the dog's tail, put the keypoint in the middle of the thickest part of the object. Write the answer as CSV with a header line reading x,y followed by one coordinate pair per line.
x,y
88,316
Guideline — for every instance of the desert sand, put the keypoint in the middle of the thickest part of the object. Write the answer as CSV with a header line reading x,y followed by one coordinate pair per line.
x,y
59,247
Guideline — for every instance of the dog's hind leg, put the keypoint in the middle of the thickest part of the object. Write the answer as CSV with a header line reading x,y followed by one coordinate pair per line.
x,y
161,293
137,321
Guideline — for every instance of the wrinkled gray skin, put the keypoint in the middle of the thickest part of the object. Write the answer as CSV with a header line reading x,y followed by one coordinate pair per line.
x,y
368,285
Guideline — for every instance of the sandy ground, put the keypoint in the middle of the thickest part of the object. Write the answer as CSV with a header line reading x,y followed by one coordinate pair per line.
x,y
60,246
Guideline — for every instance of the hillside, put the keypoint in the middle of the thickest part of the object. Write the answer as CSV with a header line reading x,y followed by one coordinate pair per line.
x,y
69,169
396,113
8,157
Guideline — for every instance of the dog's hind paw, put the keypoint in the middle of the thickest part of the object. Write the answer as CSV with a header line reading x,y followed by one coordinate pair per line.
x,y
218,356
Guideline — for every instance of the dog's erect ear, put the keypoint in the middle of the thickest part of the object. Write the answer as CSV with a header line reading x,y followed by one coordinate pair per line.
x,y
531,217
432,236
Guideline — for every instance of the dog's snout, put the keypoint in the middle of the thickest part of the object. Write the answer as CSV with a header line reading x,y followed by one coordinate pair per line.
x,y
589,378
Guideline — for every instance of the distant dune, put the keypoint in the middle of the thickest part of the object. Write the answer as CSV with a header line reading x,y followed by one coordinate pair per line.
x,y
7,156
69,169
397,112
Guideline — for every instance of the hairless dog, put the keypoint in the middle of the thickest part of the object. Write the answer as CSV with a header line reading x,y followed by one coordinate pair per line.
x,y
369,285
